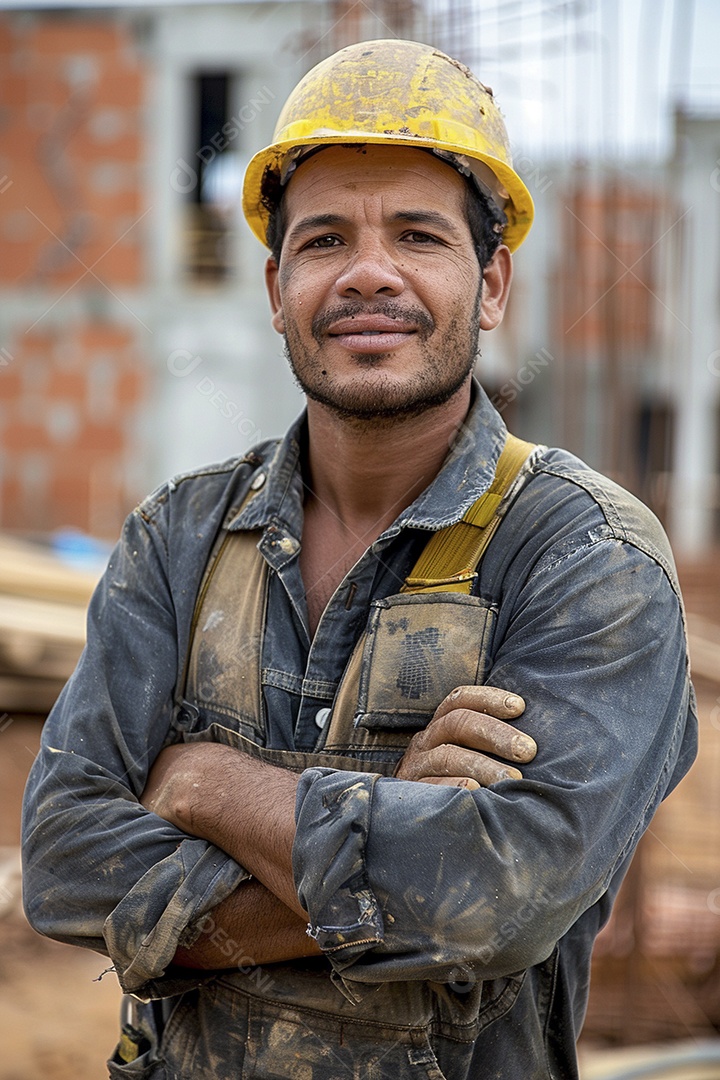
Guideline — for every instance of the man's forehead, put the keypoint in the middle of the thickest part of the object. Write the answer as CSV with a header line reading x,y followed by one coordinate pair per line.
x,y
371,169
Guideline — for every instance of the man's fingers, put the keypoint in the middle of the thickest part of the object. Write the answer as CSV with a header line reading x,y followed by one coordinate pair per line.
x,y
485,699
447,760
465,729
477,731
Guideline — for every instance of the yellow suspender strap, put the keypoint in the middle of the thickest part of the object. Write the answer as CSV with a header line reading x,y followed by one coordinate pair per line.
x,y
449,560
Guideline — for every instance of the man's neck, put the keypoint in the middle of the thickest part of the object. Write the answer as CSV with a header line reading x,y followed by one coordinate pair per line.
x,y
366,475
359,478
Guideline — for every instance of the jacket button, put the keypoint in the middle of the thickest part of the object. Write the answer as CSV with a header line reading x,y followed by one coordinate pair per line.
x,y
321,717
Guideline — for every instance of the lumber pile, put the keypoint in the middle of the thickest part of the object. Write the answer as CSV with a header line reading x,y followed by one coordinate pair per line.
x,y
42,624
704,644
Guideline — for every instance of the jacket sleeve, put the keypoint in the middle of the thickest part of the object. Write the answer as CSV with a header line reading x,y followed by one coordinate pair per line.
x,y
99,870
414,881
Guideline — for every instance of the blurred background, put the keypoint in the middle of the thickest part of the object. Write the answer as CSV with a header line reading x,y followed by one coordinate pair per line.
x,y
135,343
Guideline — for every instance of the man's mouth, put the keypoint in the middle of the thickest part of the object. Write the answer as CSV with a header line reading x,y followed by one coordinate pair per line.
x,y
363,333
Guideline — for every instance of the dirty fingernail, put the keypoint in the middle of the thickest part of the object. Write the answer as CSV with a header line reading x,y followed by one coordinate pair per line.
x,y
512,701
522,746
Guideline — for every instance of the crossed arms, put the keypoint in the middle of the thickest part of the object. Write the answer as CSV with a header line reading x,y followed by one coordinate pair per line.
x,y
589,629
247,809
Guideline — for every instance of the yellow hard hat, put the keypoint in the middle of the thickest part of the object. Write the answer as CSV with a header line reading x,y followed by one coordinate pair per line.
x,y
399,93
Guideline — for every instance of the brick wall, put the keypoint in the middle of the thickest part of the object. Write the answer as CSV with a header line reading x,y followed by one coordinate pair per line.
x,y
72,90
609,275
68,406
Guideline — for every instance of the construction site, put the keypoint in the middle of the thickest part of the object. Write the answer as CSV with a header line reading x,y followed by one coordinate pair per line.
x,y
135,343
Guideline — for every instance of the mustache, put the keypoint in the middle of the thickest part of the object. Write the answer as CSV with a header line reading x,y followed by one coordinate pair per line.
x,y
389,309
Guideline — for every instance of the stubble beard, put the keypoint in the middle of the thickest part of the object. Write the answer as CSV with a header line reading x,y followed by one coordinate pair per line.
x,y
384,401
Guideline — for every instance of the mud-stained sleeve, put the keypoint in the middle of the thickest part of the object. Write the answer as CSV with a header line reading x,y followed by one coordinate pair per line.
x,y
486,882
171,899
99,870
346,914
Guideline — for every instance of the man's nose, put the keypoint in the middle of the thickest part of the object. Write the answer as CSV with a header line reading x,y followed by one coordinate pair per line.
x,y
370,271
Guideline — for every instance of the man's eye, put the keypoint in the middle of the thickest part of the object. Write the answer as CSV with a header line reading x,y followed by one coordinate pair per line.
x,y
324,241
417,237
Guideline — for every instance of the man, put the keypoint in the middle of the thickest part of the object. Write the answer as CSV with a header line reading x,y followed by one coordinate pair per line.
x,y
281,790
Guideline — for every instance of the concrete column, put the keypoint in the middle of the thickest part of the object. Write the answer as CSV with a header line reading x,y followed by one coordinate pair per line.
x,y
694,486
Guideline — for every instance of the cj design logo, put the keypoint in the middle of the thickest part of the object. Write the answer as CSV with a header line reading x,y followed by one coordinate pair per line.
x,y
181,363
183,178
715,176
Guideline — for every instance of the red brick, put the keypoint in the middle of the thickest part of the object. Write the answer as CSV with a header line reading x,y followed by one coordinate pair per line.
x,y
18,262
26,188
122,265
66,386
85,148
15,92
125,90
18,436
120,204
63,274
70,487
131,387
10,382
7,35
10,502
99,437
39,341
54,36
102,337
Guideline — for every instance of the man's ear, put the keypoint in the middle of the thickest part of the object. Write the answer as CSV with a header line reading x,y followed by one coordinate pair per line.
x,y
273,290
497,277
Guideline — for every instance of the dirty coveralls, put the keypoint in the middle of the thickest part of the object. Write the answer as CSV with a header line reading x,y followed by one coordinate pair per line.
x,y
456,926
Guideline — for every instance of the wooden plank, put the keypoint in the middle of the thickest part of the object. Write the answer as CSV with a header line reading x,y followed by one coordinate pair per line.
x,y
39,638
44,619
23,695
704,644
26,570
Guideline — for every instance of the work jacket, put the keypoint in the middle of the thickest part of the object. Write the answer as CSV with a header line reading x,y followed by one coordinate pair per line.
x,y
456,926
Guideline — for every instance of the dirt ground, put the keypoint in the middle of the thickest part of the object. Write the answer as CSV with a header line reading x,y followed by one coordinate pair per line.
x,y
57,1021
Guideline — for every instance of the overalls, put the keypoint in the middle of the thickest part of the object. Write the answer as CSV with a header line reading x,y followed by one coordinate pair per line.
x,y
299,1019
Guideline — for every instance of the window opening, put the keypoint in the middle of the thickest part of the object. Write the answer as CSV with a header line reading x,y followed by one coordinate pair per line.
x,y
210,205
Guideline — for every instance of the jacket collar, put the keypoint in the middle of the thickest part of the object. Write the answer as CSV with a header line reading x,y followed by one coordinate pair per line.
x,y
466,473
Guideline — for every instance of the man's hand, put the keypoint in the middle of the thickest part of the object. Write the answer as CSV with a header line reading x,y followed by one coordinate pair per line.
x,y
466,726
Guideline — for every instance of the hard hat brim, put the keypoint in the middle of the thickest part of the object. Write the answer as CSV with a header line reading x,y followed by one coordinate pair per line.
x,y
519,209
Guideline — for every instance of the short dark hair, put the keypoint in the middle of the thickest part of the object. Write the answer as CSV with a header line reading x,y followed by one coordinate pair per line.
x,y
486,221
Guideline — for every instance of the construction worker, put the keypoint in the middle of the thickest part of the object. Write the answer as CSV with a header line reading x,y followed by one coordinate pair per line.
x,y
371,719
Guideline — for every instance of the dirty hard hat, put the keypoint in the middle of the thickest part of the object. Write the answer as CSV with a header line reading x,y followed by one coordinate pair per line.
x,y
399,93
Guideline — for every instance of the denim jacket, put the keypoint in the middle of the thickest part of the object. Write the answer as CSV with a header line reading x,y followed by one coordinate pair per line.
x,y
456,926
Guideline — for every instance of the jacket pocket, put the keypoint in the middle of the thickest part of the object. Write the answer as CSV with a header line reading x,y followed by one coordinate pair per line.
x,y
417,649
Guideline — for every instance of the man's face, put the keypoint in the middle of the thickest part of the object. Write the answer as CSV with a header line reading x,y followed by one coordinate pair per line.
x,y
378,291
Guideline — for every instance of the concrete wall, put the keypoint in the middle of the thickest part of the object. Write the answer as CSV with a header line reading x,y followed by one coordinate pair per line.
x,y
695,175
